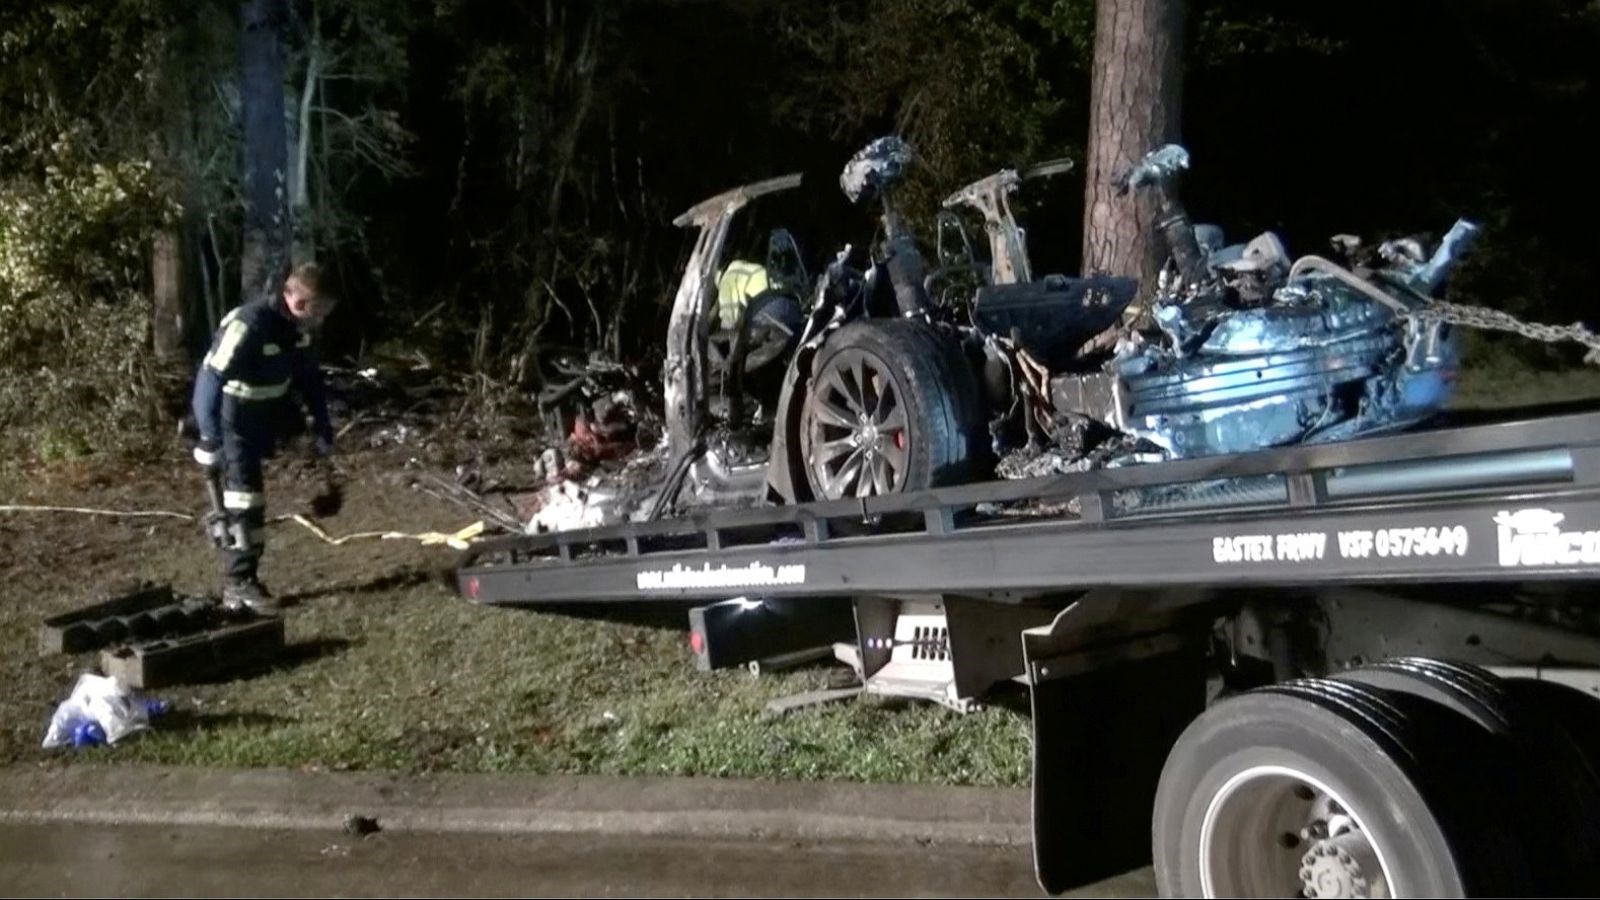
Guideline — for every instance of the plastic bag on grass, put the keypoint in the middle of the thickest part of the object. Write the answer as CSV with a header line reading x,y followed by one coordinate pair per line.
x,y
100,709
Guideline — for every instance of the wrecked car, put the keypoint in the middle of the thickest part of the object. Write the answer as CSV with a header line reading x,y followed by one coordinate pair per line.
x,y
883,376
1253,349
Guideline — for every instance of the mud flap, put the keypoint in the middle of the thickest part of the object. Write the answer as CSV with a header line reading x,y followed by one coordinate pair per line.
x,y
1103,721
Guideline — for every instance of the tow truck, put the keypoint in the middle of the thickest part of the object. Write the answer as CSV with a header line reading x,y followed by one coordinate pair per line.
x,y
1335,649
1360,669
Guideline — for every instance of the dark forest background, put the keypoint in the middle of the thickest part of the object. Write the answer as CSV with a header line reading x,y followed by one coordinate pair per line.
x,y
487,180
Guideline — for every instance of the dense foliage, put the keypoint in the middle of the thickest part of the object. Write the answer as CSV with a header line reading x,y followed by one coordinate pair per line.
x,y
489,178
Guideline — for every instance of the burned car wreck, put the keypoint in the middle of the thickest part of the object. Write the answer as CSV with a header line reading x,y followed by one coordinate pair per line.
x,y
894,376
1251,349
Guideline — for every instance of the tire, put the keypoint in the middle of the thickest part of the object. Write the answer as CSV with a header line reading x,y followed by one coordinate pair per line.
x,y
1423,815
1575,713
921,401
1466,690
1573,778
1554,795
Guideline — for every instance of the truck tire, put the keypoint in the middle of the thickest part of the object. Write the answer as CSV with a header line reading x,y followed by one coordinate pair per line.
x,y
1574,712
891,407
1467,690
1574,717
1553,791
1331,788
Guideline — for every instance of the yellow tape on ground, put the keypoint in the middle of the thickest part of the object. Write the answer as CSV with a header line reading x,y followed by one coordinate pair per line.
x,y
460,540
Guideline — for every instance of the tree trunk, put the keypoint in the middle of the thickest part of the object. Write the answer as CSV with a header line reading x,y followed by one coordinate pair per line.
x,y
167,295
1138,86
266,147
169,287
304,246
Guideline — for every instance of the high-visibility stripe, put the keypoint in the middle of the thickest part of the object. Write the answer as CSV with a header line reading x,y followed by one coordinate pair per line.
x,y
270,349
245,391
243,499
232,335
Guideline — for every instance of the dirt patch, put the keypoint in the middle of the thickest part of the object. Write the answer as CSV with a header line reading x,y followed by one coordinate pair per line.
x,y
387,668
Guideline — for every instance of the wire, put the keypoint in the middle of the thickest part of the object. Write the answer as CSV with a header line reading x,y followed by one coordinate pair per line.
x,y
140,513
458,540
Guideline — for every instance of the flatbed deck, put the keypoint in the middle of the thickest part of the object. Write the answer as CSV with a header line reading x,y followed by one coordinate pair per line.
x,y
1511,500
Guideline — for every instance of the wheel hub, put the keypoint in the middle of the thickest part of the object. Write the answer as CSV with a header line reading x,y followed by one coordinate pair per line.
x,y
1341,866
1273,831
855,438
869,437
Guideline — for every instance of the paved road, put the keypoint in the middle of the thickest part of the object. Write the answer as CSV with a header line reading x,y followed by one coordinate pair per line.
x,y
80,859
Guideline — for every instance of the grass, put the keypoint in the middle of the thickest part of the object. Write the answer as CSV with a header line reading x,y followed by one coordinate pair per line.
x,y
1500,382
428,682
390,670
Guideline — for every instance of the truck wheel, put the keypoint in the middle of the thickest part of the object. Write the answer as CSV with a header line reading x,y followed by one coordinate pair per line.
x,y
890,408
1321,788
1468,690
1553,794
1575,713
1573,717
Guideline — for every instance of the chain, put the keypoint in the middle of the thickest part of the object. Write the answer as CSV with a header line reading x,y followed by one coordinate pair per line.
x,y
1494,320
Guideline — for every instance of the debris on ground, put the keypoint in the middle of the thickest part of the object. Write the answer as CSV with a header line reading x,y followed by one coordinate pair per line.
x,y
215,653
604,495
361,826
389,402
100,710
568,505
594,423
440,489
610,406
140,609
149,636
611,457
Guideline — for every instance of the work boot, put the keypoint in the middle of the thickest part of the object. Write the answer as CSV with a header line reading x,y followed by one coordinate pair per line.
x,y
247,594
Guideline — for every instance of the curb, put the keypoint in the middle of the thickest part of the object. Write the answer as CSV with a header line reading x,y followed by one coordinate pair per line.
x,y
498,804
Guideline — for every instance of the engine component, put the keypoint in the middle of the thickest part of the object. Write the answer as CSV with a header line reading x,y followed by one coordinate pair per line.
x,y
1052,318
1253,352
875,168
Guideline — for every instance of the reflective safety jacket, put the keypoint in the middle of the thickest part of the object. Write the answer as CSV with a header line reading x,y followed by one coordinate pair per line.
x,y
258,355
741,282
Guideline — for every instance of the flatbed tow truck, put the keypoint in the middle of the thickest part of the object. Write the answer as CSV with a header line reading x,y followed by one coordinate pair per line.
x,y
1356,669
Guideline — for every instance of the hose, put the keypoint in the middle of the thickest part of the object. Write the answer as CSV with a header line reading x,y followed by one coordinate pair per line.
x,y
1328,267
674,482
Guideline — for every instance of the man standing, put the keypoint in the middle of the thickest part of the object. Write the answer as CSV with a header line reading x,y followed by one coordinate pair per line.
x,y
261,351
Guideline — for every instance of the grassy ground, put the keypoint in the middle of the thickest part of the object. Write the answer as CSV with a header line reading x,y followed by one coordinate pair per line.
x,y
388,669
1500,382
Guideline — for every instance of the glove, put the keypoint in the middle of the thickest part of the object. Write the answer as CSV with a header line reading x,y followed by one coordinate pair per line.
x,y
206,454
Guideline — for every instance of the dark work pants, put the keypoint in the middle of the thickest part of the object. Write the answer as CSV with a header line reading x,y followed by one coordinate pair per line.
x,y
245,500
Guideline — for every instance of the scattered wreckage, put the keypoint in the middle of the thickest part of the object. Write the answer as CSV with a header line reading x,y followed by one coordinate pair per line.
x,y
895,377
